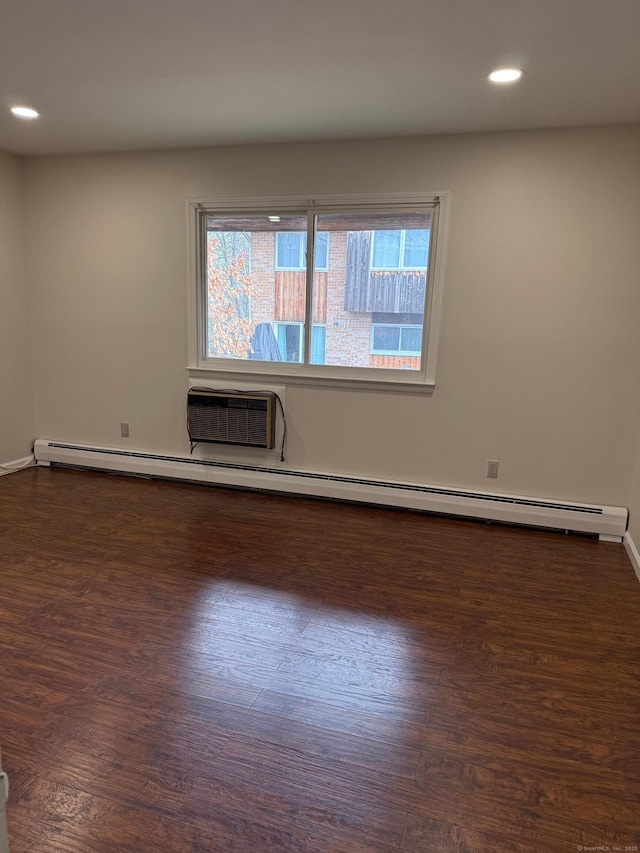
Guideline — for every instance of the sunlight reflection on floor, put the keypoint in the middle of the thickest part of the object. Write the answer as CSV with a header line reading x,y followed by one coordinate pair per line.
x,y
279,641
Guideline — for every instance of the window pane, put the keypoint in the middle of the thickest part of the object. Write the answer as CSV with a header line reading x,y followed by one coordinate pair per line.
x,y
416,249
245,294
256,288
322,249
386,338
410,339
352,291
290,336
281,337
318,343
386,250
289,250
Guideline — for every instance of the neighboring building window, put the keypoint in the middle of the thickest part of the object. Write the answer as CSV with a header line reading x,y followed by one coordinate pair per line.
x,y
248,315
290,337
400,250
291,250
394,339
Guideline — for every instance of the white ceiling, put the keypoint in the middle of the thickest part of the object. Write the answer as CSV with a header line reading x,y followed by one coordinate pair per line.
x,y
129,74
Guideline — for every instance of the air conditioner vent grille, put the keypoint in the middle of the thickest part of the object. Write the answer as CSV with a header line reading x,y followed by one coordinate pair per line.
x,y
227,418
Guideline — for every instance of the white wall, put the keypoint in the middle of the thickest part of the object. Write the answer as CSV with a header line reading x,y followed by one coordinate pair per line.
x,y
539,361
16,391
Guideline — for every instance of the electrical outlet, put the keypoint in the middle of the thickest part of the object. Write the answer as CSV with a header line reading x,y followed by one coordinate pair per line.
x,y
492,468
124,430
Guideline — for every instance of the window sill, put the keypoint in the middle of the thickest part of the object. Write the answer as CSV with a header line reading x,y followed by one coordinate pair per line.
x,y
413,385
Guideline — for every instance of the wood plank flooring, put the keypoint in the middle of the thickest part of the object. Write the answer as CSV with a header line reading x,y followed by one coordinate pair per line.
x,y
187,669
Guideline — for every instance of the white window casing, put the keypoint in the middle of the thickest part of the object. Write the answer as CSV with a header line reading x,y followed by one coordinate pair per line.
x,y
423,380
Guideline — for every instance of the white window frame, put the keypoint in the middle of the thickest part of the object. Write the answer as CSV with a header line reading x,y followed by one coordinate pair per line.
x,y
399,352
423,380
401,267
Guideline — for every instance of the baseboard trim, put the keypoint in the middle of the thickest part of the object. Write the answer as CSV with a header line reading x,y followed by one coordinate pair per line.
x,y
633,552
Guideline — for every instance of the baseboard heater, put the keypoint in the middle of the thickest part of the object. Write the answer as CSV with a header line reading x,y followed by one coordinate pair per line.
x,y
608,522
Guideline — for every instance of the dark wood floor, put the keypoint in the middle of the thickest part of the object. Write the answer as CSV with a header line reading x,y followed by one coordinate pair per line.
x,y
187,669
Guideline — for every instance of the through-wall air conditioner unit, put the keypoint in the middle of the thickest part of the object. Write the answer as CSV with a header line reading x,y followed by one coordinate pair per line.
x,y
232,417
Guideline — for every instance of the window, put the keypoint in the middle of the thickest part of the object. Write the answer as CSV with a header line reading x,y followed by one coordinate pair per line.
x,y
291,250
392,339
403,249
261,307
290,337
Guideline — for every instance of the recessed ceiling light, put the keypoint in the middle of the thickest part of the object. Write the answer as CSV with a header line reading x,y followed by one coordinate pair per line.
x,y
25,112
274,219
506,75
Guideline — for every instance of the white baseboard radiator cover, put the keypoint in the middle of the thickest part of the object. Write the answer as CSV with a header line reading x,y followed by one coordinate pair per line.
x,y
609,522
